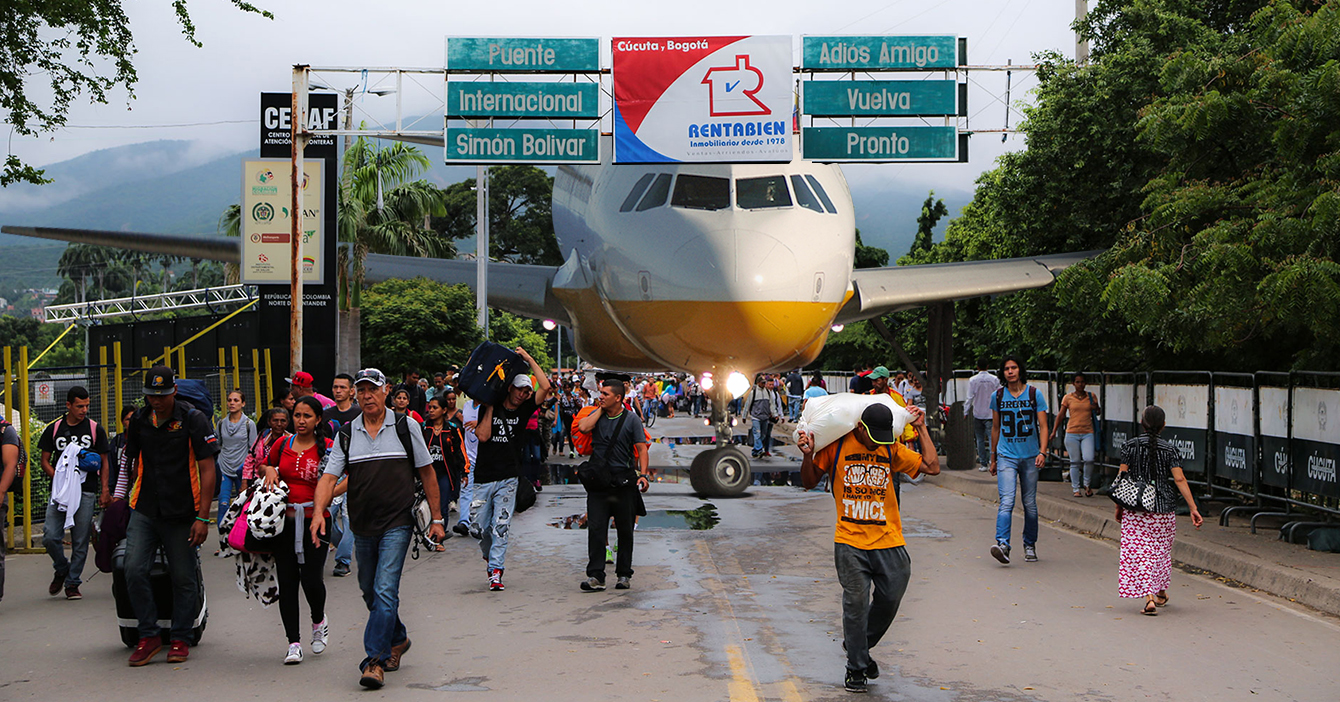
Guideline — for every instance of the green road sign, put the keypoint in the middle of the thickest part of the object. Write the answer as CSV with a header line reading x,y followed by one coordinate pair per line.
x,y
523,146
879,53
872,144
880,98
522,55
550,100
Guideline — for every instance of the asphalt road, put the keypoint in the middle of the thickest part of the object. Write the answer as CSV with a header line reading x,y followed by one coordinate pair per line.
x,y
748,610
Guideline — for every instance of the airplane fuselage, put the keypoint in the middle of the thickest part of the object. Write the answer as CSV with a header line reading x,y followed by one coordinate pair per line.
x,y
703,267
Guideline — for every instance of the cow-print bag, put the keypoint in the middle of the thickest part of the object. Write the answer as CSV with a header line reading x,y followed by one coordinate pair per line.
x,y
255,571
265,517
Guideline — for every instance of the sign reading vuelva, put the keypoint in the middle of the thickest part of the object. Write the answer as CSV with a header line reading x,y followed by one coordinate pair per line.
x,y
702,99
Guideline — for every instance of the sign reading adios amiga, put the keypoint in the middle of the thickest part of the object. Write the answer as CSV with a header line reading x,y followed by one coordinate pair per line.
x,y
702,99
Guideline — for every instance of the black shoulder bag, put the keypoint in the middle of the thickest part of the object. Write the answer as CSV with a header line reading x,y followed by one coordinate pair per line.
x,y
595,472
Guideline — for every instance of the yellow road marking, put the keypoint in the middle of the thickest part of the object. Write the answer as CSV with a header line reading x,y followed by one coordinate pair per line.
x,y
741,687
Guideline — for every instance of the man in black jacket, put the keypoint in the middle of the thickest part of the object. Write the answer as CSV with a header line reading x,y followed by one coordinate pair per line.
x,y
618,439
170,452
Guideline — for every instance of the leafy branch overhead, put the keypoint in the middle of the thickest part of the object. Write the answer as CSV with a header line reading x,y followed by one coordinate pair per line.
x,y
82,48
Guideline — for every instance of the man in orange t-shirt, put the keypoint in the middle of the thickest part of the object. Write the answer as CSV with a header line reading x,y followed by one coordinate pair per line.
x,y
869,546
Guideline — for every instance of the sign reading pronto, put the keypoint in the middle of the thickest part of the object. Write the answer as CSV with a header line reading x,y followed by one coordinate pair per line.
x,y
476,100
266,199
522,55
879,53
702,99
880,98
522,145
830,144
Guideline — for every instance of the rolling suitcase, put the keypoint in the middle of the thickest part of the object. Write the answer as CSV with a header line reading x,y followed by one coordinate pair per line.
x,y
161,583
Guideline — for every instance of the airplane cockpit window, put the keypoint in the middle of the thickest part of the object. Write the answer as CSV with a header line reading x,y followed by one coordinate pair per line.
x,y
656,194
701,193
823,196
757,193
804,197
636,192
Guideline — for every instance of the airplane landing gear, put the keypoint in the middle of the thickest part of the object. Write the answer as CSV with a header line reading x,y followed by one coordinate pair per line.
x,y
722,471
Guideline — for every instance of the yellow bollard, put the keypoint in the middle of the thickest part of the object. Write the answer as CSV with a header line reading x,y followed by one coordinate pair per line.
x,y
256,381
181,362
9,415
102,383
223,378
25,435
116,359
269,381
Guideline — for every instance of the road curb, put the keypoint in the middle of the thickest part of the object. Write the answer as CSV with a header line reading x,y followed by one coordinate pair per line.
x,y
1252,571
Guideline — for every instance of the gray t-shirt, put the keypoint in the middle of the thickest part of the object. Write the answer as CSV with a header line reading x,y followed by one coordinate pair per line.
x,y
235,441
621,452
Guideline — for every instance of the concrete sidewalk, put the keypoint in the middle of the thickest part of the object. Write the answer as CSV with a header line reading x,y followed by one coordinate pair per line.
x,y
1259,561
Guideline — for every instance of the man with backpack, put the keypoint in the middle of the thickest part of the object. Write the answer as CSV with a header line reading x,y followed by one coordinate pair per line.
x,y
75,427
170,454
619,445
1018,421
382,453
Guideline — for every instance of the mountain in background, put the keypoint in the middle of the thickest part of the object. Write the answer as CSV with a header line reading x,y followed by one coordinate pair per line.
x,y
181,187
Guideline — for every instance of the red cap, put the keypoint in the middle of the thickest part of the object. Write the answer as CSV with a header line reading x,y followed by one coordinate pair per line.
x,y
301,379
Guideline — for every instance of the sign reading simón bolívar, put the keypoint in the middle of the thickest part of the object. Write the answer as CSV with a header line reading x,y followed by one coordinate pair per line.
x,y
520,145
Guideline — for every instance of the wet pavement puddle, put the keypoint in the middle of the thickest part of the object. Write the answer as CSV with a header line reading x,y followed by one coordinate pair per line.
x,y
700,518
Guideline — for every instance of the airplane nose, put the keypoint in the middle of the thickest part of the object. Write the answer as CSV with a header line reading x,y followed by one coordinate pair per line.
x,y
737,264
765,267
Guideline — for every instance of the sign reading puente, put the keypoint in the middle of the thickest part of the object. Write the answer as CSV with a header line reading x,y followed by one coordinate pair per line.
x,y
484,101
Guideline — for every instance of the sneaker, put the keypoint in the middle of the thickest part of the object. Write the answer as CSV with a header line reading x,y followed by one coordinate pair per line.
x,y
294,656
623,583
982,469
1001,552
57,583
179,652
592,584
341,570
855,681
72,593
320,635
373,676
872,670
145,650
609,555
495,580
397,650
461,529
1030,553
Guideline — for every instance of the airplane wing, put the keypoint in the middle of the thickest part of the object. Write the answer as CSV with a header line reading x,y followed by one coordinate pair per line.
x,y
520,289
517,288
877,291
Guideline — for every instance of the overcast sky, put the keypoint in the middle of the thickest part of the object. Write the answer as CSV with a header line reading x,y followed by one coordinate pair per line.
x,y
215,88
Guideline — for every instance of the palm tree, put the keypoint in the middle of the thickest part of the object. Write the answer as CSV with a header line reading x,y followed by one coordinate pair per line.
x,y
230,224
382,210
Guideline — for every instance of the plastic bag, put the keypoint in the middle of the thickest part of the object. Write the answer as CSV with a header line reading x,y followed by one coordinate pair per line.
x,y
831,417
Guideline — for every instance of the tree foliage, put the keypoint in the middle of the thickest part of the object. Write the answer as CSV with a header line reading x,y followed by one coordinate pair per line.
x,y
425,325
27,331
521,223
869,256
81,48
1201,148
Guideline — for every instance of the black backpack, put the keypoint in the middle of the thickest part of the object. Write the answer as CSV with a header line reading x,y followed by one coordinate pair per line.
x,y
485,377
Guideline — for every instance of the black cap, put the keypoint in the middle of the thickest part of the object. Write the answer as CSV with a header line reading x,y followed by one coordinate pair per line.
x,y
159,381
878,422
602,376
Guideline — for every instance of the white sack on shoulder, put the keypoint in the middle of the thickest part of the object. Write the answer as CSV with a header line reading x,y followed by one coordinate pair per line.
x,y
831,417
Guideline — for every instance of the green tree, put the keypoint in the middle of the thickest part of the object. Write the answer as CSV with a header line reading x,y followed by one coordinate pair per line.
x,y
80,47
869,256
521,224
27,331
931,212
427,325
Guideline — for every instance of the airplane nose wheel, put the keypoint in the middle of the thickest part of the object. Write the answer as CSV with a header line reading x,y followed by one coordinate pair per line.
x,y
720,472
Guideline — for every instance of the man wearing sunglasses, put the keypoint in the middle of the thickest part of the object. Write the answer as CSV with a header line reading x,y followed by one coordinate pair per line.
x,y
502,438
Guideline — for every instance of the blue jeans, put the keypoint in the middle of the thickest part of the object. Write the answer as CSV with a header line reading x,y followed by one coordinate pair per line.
x,y
53,538
762,435
793,403
144,536
491,518
981,431
1025,473
229,487
649,407
1081,450
381,559
464,500
339,532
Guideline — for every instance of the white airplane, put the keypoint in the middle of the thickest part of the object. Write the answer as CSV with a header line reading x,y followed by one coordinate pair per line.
x,y
701,268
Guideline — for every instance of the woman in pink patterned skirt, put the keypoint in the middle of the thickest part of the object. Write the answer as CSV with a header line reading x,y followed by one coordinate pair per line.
x,y
1145,567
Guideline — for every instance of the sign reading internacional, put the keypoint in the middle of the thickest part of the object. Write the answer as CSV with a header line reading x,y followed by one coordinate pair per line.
x,y
522,55
518,145
266,200
879,53
477,99
702,99
870,144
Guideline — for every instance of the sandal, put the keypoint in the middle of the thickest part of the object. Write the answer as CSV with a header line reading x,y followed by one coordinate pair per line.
x,y
1160,601
1150,609
1077,493
1088,492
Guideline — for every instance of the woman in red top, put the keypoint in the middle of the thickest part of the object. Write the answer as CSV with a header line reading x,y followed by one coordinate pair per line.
x,y
400,403
298,460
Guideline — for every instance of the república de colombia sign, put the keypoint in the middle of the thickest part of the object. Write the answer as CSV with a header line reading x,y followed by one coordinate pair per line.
x,y
702,99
